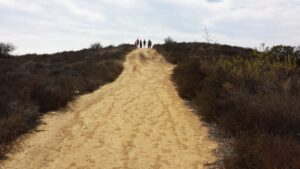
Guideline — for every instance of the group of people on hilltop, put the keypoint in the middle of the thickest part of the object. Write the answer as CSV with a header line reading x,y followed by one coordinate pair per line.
x,y
143,44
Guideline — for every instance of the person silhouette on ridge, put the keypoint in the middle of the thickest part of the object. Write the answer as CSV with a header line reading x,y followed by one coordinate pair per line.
x,y
145,43
149,44
137,43
141,44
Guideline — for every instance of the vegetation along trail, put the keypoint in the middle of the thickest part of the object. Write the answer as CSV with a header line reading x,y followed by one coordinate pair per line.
x,y
136,122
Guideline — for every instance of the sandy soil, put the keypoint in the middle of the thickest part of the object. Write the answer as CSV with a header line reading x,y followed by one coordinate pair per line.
x,y
136,122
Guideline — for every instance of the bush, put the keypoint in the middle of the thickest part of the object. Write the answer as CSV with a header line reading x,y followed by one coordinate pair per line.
x,y
254,97
51,94
266,152
6,48
169,40
96,46
188,84
182,52
282,52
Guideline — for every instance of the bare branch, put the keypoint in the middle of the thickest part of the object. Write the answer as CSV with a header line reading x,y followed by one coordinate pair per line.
x,y
207,36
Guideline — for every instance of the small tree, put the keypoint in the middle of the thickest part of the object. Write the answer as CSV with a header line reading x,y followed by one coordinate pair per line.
x,y
96,46
263,47
169,40
6,49
207,36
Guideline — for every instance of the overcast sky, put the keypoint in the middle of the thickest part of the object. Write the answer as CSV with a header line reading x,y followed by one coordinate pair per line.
x,y
46,26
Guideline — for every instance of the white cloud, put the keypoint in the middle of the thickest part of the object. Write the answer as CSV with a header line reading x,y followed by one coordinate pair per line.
x,y
73,24
77,10
21,5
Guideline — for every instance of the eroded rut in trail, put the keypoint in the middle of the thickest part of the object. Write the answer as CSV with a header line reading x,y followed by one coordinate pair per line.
x,y
136,122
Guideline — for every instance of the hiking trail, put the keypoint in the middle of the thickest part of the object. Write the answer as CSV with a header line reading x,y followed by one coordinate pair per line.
x,y
136,122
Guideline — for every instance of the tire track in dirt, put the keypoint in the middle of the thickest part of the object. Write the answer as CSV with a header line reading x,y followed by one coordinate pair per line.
x,y
136,122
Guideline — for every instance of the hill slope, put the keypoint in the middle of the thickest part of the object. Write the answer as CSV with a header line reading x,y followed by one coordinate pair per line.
x,y
138,121
35,84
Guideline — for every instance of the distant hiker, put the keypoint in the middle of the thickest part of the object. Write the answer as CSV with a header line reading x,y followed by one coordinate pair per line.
x,y
137,43
141,44
149,44
145,43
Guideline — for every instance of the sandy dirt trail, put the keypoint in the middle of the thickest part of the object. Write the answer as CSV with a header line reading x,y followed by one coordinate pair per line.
x,y
136,122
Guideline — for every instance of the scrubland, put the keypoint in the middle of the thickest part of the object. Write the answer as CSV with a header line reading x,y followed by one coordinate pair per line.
x,y
252,97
